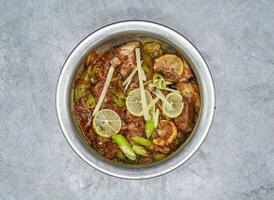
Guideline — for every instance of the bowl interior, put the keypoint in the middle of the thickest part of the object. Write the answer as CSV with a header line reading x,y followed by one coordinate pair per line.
x,y
114,41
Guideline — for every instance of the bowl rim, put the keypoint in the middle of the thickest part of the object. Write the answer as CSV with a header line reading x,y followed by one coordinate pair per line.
x,y
72,63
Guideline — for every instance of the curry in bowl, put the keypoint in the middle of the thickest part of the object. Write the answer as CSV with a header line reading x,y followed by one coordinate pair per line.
x,y
136,102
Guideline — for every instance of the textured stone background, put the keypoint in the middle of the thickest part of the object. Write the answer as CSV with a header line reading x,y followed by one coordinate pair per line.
x,y
235,37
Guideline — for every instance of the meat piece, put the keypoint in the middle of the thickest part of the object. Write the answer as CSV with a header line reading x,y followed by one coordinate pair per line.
x,y
115,61
190,90
126,54
82,114
187,73
106,147
104,62
78,106
91,137
135,129
161,149
144,159
82,119
104,71
181,137
135,126
186,76
186,120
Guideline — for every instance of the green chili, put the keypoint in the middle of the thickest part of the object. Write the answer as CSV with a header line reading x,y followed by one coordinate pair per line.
x,y
85,76
118,101
80,91
153,49
90,72
159,81
125,147
80,88
147,63
158,156
149,127
118,97
141,141
90,102
147,69
87,73
94,71
120,155
139,150
121,95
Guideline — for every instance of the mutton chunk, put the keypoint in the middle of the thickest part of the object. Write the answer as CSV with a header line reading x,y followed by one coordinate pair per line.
x,y
186,120
135,126
126,55
105,146
190,90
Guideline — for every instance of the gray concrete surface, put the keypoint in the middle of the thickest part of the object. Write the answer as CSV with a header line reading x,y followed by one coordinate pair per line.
x,y
235,37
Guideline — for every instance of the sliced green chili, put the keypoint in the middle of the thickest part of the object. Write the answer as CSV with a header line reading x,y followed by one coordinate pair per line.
x,y
141,141
147,69
118,93
90,102
94,71
158,156
80,91
118,97
149,127
147,63
159,81
87,74
120,155
139,150
125,147
121,95
80,88
153,49
119,102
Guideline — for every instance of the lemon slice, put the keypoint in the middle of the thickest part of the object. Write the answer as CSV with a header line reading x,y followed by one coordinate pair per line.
x,y
177,105
134,102
166,133
106,123
169,63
